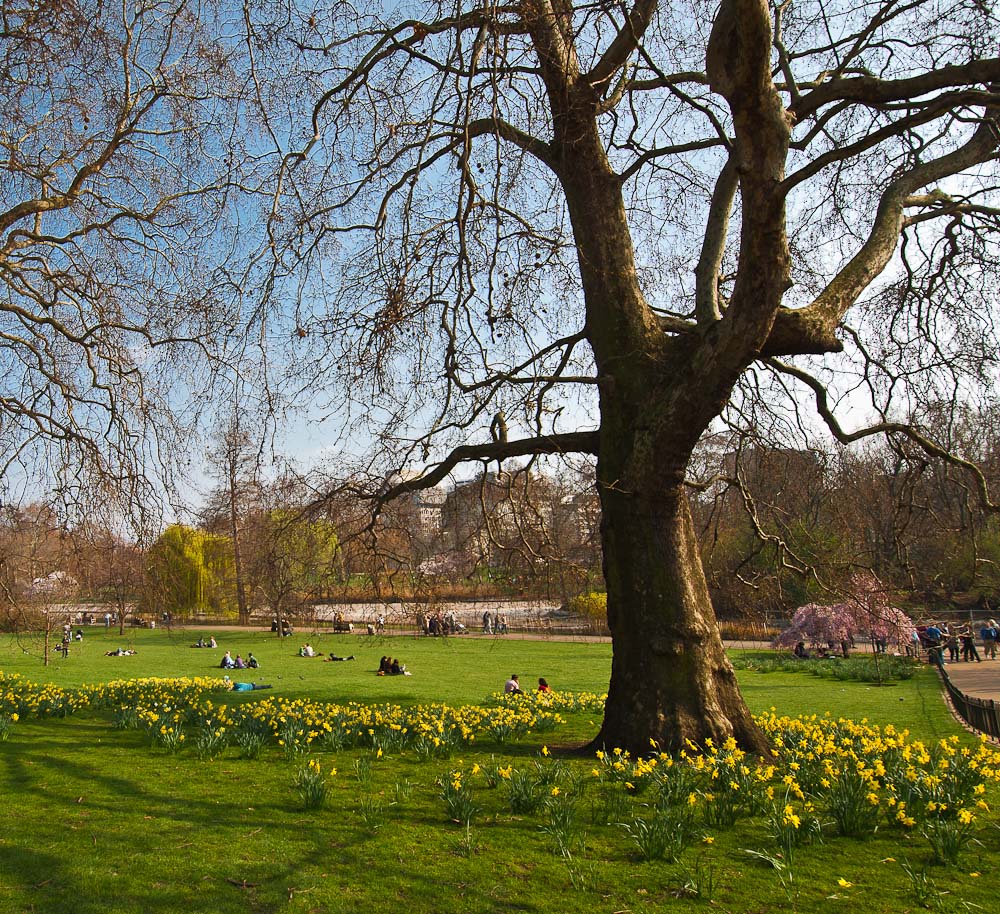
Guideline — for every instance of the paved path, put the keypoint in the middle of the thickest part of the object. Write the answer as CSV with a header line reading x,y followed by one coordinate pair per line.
x,y
976,680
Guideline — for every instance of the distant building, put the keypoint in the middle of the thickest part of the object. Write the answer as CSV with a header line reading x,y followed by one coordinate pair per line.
x,y
429,505
776,463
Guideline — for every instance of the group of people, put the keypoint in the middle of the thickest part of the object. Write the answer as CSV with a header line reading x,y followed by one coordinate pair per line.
x,y
67,637
286,628
201,642
238,663
307,650
494,624
439,625
390,666
822,652
959,640
513,685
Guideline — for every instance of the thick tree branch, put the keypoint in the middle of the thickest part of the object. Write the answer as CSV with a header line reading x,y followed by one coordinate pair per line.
x,y
659,152
525,141
738,63
920,116
551,32
872,91
706,308
567,443
624,44
800,332
842,292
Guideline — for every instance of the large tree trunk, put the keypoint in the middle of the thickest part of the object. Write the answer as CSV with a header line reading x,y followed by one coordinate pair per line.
x,y
670,679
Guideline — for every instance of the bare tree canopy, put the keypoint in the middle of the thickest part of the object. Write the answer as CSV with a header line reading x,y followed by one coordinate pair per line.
x,y
124,214
605,223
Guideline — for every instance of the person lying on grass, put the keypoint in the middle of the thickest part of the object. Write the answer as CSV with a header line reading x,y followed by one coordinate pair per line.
x,y
247,686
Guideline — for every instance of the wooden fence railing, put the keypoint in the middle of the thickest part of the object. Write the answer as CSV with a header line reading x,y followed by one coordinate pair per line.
x,y
981,714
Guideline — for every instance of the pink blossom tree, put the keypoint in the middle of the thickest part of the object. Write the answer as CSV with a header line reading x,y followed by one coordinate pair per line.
x,y
864,615
816,623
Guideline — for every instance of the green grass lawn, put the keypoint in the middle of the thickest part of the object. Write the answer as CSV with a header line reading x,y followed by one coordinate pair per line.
x,y
97,820
457,669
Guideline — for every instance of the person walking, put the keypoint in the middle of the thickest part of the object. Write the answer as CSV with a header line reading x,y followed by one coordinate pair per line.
x,y
969,652
951,638
989,635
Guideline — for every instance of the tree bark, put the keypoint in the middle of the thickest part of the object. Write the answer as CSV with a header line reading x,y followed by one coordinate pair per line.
x,y
670,678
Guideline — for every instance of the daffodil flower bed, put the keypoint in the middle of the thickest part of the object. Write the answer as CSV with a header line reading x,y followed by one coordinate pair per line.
x,y
826,775
167,707
28,700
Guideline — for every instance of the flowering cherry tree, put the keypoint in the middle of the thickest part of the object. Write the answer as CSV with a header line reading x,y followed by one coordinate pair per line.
x,y
864,615
816,623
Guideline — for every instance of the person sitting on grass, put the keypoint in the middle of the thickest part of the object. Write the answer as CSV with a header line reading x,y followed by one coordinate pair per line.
x,y
212,642
800,651
397,669
227,662
307,650
512,686
543,686
385,666
239,663
252,662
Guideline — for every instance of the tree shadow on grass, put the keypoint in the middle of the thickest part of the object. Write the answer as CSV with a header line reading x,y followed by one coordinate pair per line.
x,y
172,843
91,827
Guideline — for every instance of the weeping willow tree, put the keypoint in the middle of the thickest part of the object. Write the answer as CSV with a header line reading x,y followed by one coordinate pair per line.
x,y
189,571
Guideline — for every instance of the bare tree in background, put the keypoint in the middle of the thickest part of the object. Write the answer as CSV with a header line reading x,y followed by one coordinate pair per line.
x,y
234,459
291,559
607,225
124,220
34,547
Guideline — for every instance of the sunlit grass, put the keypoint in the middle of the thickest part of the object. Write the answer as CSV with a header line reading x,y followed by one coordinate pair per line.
x,y
104,817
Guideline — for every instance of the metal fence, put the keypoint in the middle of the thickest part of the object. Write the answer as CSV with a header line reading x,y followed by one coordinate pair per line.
x,y
979,713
